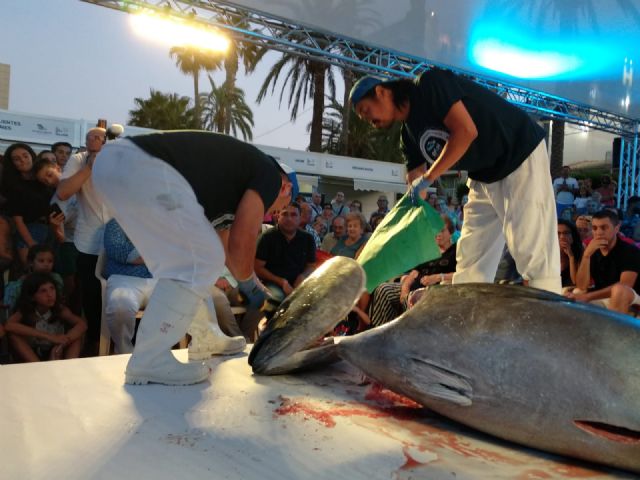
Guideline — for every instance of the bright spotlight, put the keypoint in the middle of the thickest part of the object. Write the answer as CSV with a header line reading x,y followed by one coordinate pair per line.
x,y
173,33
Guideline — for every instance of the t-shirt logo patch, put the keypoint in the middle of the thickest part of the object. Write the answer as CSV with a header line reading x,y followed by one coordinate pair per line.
x,y
432,143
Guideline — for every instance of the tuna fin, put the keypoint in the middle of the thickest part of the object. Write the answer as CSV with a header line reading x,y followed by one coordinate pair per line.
x,y
440,382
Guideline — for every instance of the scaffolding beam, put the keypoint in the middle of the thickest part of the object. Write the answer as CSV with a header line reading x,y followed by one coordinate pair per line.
x,y
279,34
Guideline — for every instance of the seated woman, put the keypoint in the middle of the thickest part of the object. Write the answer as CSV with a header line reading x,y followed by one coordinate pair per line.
x,y
42,328
570,251
389,300
351,245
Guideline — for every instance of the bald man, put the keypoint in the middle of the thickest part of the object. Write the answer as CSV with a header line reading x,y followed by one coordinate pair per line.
x,y
92,216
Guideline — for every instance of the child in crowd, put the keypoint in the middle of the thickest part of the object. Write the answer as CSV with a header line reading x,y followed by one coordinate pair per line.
x,y
42,328
64,214
40,259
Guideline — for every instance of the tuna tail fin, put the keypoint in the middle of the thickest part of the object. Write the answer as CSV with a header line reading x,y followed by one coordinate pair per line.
x,y
439,382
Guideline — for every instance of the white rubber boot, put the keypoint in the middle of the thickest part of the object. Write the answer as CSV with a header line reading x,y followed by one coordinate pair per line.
x,y
172,307
206,337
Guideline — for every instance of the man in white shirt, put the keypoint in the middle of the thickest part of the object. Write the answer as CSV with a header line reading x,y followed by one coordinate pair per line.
x,y
92,216
565,188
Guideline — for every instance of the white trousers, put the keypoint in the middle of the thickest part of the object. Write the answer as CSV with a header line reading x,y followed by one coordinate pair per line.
x,y
125,296
519,209
159,212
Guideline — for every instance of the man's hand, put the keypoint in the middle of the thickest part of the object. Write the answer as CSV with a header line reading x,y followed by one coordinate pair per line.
x,y
594,245
91,158
419,185
254,292
286,287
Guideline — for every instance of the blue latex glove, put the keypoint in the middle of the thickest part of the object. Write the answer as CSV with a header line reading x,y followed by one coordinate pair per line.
x,y
254,292
417,186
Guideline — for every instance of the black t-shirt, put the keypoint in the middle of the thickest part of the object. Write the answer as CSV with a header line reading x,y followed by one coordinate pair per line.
x,y
30,200
286,259
446,263
219,168
506,134
606,270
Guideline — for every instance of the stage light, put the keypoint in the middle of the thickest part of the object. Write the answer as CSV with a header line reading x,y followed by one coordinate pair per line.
x,y
174,32
521,62
521,53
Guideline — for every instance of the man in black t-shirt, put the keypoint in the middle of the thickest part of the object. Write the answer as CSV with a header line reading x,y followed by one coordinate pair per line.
x,y
448,120
613,265
286,255
187,200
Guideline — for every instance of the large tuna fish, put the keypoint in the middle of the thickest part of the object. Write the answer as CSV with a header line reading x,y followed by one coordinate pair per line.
x,y
518,363
290,341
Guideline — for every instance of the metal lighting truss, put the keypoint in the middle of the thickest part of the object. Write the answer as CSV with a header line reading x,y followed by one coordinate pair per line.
x,y
247,25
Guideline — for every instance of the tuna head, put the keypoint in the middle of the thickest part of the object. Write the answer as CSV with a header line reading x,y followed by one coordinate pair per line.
x,y
305,316
518,363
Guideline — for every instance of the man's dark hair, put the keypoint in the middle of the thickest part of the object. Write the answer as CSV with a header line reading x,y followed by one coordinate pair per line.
x,y
61,144
606,213
401,90
295,205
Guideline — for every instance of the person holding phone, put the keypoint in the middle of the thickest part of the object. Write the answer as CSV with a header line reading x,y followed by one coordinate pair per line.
x,y
62,217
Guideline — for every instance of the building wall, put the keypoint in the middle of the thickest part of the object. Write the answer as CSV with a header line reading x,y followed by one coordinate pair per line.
x,y
5,76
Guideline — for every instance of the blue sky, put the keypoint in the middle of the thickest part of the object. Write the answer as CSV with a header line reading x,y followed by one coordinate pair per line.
x,y
76,60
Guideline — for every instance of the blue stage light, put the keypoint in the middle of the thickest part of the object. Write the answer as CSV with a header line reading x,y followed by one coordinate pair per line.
x,y
516,52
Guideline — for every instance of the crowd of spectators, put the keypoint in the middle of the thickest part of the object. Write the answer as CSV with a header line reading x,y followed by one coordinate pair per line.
x,y
53,229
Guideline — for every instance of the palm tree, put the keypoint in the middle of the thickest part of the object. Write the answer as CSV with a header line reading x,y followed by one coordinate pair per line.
x,y
191,61
306,79
162,111
249,53
225,111
364,141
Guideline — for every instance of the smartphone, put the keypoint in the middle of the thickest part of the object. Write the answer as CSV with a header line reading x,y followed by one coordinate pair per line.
x,y
54,208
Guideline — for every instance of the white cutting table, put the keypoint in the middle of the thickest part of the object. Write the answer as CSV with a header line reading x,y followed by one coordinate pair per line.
x,y
75,419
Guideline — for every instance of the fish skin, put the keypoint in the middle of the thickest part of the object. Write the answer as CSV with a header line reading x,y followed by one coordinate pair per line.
x,y
313,309
519,363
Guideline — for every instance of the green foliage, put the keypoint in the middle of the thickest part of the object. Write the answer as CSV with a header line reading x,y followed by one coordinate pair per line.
x,y
364,141
192,61
224,110
163,111
305,79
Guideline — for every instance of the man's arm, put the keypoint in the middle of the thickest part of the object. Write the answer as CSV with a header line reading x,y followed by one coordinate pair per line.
x,y
243,235
265,275
308,270
72,185
583,275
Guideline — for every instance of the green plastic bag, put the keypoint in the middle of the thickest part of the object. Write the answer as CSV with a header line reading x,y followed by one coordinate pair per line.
x,y
405,238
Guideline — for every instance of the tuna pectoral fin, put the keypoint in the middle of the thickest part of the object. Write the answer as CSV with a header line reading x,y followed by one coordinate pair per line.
x,y
440,382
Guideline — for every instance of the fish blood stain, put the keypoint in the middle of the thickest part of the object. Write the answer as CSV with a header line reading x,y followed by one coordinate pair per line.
x,y
609,432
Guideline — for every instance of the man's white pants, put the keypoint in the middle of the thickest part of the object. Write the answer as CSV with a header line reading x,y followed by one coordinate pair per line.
x,y
519,209
125,296
160,214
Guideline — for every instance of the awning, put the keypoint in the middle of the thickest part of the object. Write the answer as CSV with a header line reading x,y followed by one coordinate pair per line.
x,y
307,179
359,184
